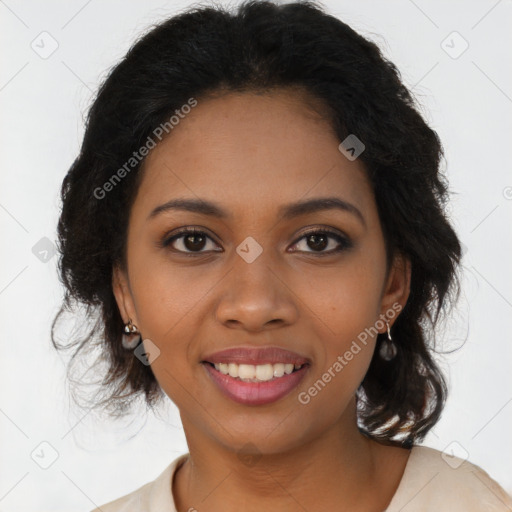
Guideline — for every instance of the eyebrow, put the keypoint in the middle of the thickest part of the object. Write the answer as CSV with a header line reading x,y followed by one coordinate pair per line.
x,y
286,212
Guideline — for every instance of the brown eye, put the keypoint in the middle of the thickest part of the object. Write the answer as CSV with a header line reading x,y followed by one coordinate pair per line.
x,y
189,241
194,242
320,240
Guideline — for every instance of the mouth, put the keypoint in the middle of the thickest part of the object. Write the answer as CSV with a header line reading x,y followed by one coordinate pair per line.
x,y
255,385
256,372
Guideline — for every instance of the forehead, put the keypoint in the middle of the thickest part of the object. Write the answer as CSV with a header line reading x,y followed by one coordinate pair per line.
x,y
251,151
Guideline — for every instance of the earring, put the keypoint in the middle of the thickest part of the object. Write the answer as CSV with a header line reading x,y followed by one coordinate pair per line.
x,y
388,349
131,338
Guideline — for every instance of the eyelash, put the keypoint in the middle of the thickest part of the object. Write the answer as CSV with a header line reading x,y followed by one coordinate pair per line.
x,y
344,242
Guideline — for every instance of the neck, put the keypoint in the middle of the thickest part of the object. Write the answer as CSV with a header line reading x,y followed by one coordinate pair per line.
x,y
332,471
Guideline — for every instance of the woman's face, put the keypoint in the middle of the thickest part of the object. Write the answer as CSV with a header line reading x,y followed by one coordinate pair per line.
x,y
252,279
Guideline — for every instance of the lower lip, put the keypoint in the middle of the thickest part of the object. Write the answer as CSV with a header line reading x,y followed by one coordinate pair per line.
x,y
256,393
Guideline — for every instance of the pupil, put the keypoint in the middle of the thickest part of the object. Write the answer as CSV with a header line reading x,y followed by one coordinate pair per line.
x,y
189,244
318,246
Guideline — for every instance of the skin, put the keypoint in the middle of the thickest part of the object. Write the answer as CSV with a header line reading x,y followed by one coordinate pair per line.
x,y
251,153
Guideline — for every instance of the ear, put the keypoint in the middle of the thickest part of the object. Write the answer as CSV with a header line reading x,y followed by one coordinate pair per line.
x,y
123,295
397,289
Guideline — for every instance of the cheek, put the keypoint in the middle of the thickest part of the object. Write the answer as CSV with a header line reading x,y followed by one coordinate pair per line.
x,y
167,307
345,304
164,295
345,349
346,299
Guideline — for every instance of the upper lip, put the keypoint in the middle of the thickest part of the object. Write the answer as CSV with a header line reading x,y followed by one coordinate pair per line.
x,y
255,356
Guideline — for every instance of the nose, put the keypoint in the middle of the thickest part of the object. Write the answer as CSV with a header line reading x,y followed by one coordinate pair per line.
x,y
255,296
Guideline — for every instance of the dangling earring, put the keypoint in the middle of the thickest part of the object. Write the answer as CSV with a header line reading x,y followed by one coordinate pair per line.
x,y
388,349
131,337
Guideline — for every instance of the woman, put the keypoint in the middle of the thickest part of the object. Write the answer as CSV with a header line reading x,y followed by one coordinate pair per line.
x,y
257,214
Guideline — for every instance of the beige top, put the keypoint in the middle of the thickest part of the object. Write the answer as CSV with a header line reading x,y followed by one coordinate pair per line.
x,y
432,482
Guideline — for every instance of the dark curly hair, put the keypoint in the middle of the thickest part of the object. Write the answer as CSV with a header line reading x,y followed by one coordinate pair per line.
x,y
263,46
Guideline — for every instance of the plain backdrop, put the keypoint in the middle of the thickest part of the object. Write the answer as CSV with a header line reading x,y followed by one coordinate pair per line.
x,y
456,58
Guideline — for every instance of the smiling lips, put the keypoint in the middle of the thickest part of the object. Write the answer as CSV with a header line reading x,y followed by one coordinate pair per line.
x,y
256,376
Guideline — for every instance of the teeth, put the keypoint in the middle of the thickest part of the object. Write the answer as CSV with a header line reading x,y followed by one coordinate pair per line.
x,y
256,373
233,369
278,370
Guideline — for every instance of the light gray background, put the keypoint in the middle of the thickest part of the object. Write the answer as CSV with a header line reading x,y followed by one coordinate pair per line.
x,y
466,99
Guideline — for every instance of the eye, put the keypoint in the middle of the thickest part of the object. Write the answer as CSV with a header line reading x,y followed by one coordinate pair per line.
x,y
320,239
188,240
191,241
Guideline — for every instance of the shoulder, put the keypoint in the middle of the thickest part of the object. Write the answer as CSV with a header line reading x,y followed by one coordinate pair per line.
x,y
152,496
436,481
